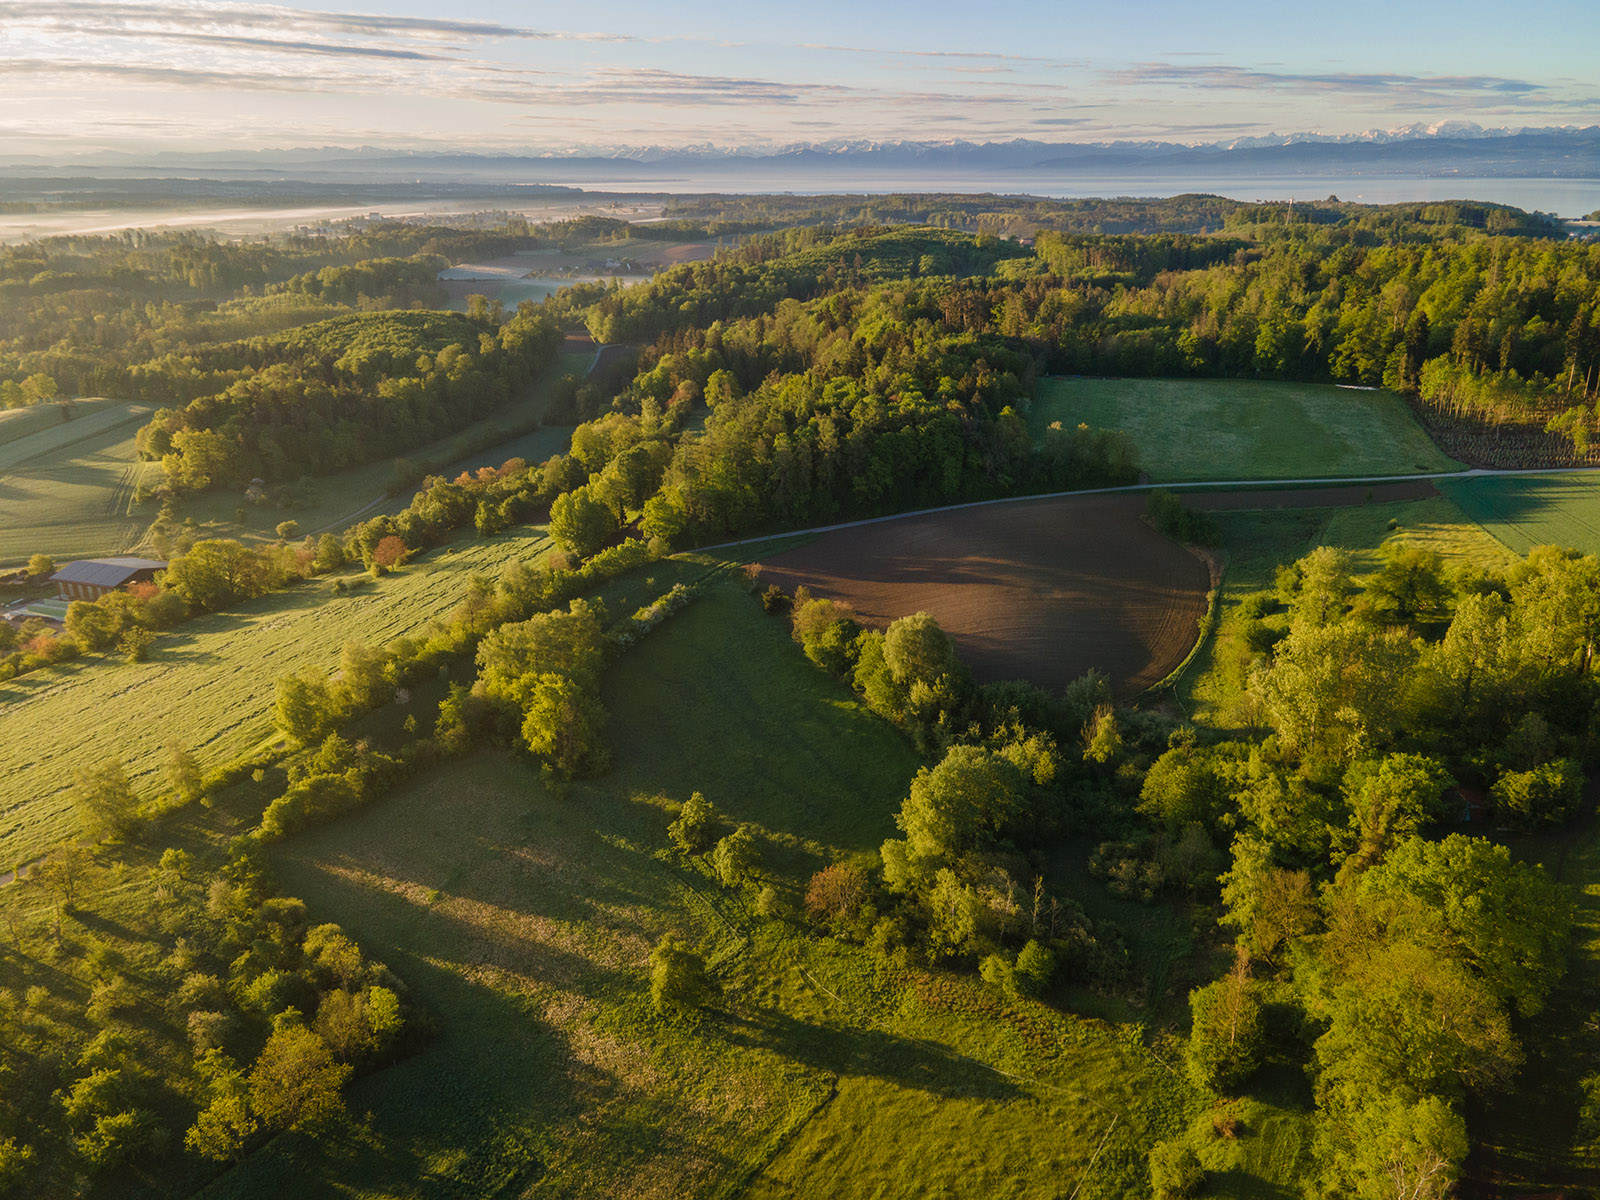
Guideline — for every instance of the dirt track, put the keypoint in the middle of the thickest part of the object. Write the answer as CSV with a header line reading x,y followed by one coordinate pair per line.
x,y
1040,590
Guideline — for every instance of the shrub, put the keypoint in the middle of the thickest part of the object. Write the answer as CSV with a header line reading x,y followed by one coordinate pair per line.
x,y
996,969
678,981
1178,521
389,553
1547,795
1175,1171
1035,968
836,894
696,825
1225,1043
736,858
135,643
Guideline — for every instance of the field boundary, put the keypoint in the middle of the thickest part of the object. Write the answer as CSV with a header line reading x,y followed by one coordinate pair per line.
x,y
1239,485
1208,627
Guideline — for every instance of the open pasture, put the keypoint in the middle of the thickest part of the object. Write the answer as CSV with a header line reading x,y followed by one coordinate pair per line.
x,y
523,919
66,487
1038,589
1194,429
16,423
1524,511
208,685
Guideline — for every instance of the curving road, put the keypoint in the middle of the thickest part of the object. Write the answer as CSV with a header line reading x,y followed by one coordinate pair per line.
x,y
1319,481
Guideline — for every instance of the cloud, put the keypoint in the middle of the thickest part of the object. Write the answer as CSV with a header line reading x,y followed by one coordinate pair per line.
x,y
181,76
617,85
1245,79
157,19
315,49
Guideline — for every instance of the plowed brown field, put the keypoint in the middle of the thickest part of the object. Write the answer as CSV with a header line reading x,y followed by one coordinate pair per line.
x,y
1041,590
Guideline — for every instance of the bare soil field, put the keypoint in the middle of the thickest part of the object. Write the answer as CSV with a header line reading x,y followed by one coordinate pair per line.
x,y
1042,590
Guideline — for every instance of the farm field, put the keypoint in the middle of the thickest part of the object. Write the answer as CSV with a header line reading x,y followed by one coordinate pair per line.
x,y
523,919
1258,540
66,486
1194,429
333,500
18,423
209,684
1039,589
1524,511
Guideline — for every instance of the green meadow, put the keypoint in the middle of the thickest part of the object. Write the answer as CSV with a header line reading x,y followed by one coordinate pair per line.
x,y
1197,429
1524,511
208,685
66,487
522,915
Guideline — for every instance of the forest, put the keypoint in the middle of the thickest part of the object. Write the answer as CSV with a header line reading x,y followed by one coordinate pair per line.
x,y
1343,849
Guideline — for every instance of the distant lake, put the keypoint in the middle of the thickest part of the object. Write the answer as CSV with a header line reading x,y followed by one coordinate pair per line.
x,y
1564,197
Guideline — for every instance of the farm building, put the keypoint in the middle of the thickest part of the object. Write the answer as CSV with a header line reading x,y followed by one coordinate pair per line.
x,y
91,578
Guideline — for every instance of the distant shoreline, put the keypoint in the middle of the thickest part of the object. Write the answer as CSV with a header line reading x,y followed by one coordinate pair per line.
x,y
1567,198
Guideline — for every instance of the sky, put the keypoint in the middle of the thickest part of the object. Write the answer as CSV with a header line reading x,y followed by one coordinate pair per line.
x,y
85,76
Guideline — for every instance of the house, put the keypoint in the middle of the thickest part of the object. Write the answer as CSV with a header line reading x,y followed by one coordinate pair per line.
x,y
91,578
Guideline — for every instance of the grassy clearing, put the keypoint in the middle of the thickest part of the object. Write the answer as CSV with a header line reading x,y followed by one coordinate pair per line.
x,y
1194,429
523,918
1258,542
1524,511
209,685
333,501
66,488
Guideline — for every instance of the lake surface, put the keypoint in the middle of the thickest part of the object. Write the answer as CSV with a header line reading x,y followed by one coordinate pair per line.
x,y
1565,197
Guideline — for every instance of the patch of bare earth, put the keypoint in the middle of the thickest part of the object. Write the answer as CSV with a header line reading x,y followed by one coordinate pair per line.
x,y
1042,590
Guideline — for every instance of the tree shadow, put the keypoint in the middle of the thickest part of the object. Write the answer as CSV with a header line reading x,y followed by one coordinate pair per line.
x,y
911,1063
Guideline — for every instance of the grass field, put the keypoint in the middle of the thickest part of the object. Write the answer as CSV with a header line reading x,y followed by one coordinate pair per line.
x,y
16,423
1257,542
66,488
208,685
1194,429
523,918
1524,511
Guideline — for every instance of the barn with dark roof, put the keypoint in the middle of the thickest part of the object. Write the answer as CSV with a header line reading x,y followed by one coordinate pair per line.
x,y
91,578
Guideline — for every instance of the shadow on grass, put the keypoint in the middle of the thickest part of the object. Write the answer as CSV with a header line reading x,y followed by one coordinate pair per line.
x,y
465,1117
1240,1183
906,1062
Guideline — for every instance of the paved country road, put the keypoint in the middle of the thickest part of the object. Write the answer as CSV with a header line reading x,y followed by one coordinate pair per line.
x,y
1213,484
